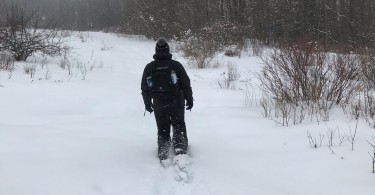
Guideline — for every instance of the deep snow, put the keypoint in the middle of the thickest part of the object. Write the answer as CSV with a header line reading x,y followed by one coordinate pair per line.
x,y
68,136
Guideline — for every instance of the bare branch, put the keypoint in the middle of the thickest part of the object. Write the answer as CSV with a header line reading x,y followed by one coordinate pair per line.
x,y
352,136
19,35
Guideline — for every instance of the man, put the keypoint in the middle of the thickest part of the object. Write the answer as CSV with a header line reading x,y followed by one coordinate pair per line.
x,y
165,87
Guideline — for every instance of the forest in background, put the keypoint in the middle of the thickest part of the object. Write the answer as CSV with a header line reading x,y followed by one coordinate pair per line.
x,y
80,15
321,53
340,24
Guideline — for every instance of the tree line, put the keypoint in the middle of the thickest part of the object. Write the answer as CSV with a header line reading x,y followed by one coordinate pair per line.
x,y
82,15
342,23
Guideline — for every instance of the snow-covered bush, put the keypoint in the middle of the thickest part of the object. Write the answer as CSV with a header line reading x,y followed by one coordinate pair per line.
x,y
225,33
199,51
224,36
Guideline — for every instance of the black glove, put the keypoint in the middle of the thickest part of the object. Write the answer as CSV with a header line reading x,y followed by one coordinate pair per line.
x,y
148,107
189,104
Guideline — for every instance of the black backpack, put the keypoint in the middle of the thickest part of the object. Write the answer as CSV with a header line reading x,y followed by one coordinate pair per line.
x,y
163,81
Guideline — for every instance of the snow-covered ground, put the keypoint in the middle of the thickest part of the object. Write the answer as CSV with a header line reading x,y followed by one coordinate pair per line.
x,y
68,136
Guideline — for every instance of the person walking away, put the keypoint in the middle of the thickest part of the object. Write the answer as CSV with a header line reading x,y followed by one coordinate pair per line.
x,y
165,88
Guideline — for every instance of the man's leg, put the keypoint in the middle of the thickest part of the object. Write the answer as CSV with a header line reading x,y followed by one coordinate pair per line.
x,y
164,129
180,140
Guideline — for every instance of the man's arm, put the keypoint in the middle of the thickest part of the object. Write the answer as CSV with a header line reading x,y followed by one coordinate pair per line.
x,y
146,93
184,81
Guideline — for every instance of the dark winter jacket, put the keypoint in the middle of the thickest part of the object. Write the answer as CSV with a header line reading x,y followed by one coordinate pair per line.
x,y
184,90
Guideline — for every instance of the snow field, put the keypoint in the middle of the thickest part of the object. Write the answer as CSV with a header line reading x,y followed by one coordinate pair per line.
x,y
71,136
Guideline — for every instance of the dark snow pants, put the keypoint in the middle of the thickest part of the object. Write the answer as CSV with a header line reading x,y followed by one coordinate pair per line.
x,y
167,115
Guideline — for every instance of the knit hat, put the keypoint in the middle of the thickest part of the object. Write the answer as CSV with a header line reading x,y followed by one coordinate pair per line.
x,y
162,46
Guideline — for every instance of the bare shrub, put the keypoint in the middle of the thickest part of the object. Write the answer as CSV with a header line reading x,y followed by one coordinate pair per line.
x,y
341,137
356,109
253,47
44,62
83,69
224,33
313,141
92,65
368,68
224,83
233,73
229,77
6,61
285,112
10,74
215,64
352,136
302,76
299,114
47,74
30,69
83,36
367,106
65,61
344,81
200,51
368,78
19,34
105,47
372,153
66,33
250,96
232,51
331,133
267,106
66,51
66,64
202,46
